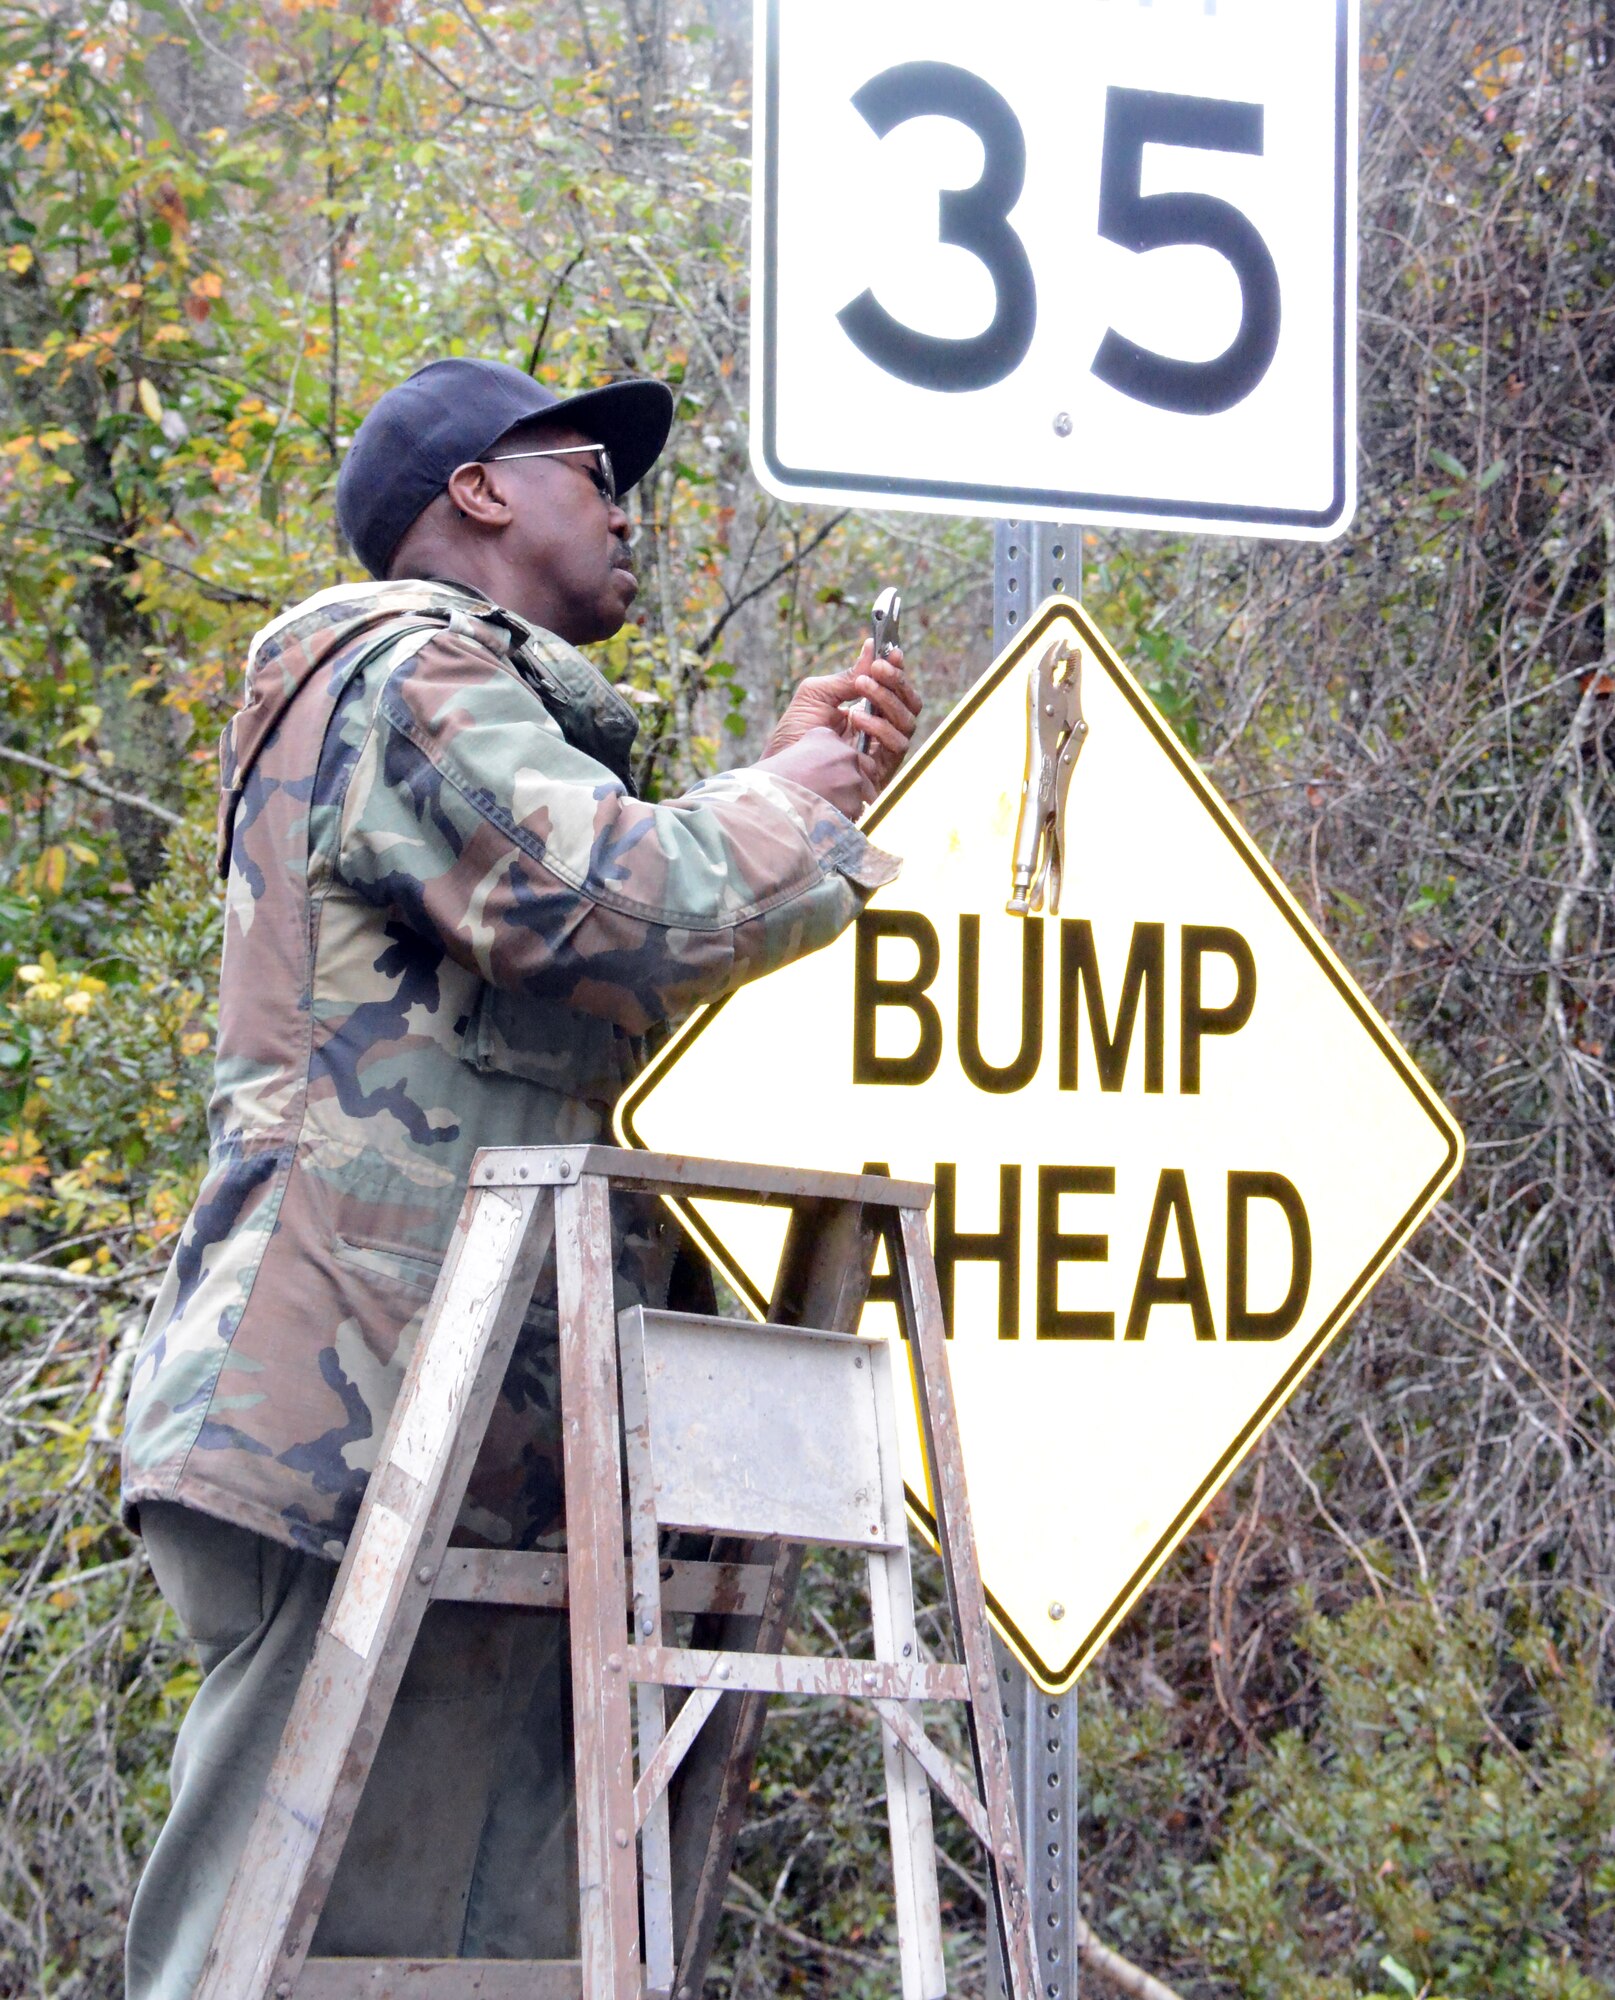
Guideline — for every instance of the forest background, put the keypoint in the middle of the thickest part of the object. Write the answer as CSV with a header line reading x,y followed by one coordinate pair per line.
x,y
1357,1738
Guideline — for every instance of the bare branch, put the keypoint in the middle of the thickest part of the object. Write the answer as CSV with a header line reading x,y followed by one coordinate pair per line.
x,y
704,646
88,784
1117,1971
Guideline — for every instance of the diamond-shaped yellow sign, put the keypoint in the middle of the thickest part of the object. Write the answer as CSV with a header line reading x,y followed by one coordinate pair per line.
x,y
1172,1142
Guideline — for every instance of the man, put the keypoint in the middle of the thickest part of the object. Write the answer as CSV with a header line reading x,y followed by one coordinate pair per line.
x,y
449,923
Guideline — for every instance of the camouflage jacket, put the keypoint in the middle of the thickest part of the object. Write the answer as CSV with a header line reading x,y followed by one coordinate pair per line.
x,y
449,921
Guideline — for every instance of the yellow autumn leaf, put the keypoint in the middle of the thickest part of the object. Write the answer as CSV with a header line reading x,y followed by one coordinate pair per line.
x,y
150,401
20,258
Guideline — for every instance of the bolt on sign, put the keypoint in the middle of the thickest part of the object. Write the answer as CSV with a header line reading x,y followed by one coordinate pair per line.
x,y
1173,1144
1086,261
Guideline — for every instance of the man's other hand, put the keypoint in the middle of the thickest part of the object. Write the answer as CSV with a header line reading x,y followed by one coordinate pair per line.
x,y
826,763
889,722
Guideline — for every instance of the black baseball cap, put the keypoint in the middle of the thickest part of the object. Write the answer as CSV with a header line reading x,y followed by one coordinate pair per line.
x,y
453,411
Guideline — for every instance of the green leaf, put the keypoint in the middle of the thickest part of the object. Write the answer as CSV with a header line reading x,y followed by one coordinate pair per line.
x,y
1397,1972
1449,464
1492,474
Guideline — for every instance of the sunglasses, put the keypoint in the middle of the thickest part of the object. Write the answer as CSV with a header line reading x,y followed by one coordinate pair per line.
x,y
605,479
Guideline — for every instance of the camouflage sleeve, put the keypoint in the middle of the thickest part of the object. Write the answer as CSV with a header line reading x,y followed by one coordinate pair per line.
x,y
469,813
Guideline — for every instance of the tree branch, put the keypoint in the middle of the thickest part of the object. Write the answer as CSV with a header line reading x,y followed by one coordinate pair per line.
x,y
556,290
50,1275
1117,1971
216,593
735,604
86,783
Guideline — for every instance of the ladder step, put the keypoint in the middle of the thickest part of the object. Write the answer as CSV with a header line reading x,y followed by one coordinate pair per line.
x,y
441,1979
795,1673
537,1582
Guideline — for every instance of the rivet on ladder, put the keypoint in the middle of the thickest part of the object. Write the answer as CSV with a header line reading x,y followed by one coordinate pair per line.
x,y
620,1837
424,1573
614,1664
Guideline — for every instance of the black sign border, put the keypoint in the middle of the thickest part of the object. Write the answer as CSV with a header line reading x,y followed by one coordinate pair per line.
x,y
818,485
1052,611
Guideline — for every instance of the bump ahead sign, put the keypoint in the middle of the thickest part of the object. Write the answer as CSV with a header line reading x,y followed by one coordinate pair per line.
x,y
1173,1144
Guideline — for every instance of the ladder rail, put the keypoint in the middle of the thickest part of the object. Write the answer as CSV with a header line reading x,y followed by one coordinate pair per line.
x,y
908,1790
597,1585
380,1595
921,1304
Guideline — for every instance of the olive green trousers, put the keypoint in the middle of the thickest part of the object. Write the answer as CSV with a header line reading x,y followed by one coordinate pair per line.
x,y
464,1844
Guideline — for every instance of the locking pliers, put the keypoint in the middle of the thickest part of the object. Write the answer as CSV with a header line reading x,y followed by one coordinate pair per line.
x,y
1055,734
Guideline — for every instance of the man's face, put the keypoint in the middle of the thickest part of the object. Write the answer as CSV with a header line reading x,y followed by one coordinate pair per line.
x,y
566,545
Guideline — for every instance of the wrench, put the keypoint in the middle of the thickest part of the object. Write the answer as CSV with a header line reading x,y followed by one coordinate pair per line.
x,y
883,619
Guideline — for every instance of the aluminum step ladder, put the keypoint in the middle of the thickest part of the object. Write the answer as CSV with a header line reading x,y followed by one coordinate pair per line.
x,y
772,1437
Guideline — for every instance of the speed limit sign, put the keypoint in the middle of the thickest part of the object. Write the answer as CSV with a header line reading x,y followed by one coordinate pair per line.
x,y
1068,259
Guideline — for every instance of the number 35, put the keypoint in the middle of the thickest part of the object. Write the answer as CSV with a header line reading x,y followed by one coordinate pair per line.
x,y
977,219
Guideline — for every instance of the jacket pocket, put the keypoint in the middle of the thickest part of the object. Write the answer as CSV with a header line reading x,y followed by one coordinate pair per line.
x,y
383,1260
542,1042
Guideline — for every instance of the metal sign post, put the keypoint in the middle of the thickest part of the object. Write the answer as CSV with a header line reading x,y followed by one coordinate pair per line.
x,y
1033,560
1041,1731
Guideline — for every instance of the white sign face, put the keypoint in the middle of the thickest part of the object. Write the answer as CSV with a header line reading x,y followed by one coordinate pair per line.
x,y
1172,1143
1068,259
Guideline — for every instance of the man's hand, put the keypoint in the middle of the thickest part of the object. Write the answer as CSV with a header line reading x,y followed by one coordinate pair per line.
x,y
823,703
827,764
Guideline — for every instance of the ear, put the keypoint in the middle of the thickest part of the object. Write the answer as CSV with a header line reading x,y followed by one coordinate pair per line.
x,y
481,493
